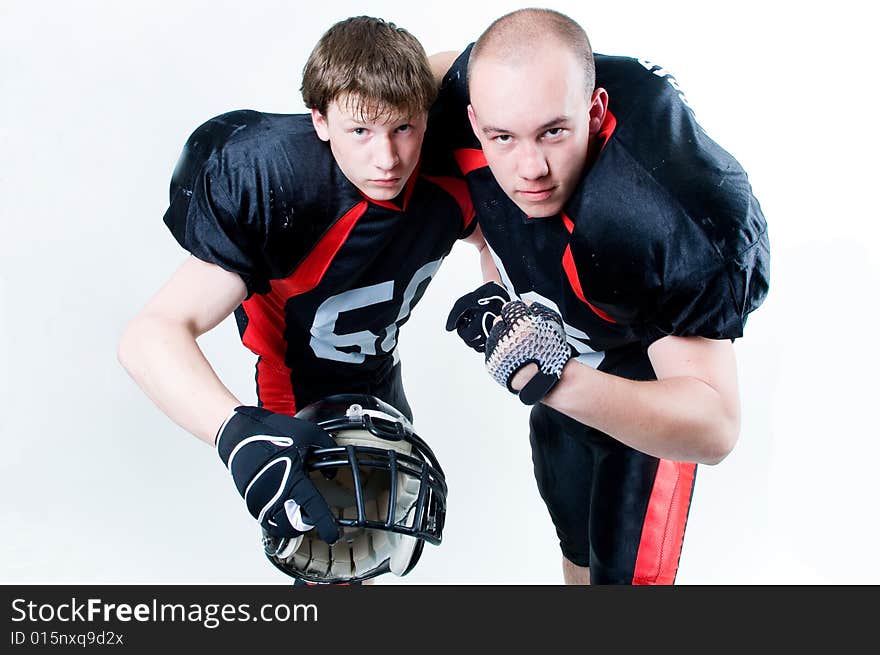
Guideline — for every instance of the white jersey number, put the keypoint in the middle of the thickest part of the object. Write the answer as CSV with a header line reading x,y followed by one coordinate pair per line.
x,y
326,344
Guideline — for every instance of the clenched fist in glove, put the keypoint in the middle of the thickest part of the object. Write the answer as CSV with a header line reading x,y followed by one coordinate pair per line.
x,y
527,334
265,452
472,315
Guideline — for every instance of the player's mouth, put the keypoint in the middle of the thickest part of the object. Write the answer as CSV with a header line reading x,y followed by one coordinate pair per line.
x,y
536,195
387,182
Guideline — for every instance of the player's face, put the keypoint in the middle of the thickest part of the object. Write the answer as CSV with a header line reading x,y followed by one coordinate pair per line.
x,y
534,120
376,155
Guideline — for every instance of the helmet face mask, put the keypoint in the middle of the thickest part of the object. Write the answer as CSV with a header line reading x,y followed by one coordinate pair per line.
x,y
384,485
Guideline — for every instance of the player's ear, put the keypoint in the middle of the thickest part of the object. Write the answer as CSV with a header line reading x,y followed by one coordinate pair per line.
x,y
598,108
320,123
473,119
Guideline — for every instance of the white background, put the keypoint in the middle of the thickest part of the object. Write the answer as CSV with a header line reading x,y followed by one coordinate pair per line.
x,y
97,486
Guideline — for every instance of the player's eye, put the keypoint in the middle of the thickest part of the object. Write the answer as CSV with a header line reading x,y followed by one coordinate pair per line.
x,y
359,131
503,138
403,129
554,132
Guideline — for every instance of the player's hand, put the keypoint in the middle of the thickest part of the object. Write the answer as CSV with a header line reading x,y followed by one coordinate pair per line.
x,y
472,315
527,335
527,372
522,376
265,453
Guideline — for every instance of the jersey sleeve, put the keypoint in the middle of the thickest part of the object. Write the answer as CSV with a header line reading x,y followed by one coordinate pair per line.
x,y
651,265
209,213
683,248
719,275
714,305
448,131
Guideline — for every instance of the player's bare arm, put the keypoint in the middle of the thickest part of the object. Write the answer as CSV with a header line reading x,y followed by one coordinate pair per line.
x,y
159,349
441,62
487,266
690,413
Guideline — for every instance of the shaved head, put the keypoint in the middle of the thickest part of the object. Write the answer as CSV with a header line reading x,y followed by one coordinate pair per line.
x,y
534,107
517,36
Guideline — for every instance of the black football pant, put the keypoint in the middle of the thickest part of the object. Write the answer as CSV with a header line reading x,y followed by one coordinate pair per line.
x,y
616,510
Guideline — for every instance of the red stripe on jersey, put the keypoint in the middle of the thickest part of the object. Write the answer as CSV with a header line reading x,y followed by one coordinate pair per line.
x,y
607,127
273,387
572,274
457,189
308,274
663,529
264,334
470,159
605,131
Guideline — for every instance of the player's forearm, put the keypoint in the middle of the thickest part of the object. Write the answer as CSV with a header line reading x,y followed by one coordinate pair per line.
x,y
682,418
164,359
487,266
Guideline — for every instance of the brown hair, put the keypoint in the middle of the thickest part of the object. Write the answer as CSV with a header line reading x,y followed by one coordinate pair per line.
x,y
516,34
377,65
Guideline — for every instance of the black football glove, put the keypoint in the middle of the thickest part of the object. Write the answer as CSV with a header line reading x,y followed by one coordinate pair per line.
x,y
265,453
473,314
528,334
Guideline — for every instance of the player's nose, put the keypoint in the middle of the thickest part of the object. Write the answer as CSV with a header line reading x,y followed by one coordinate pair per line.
x,y
386,156
531,164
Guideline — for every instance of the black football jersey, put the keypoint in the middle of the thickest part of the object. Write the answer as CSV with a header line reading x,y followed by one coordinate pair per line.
x,y
662,236
331,274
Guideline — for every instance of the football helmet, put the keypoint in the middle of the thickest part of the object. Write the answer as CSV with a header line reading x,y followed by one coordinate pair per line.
x,y
383,485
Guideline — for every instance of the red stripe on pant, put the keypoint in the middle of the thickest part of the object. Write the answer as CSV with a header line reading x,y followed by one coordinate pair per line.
x,y
663,529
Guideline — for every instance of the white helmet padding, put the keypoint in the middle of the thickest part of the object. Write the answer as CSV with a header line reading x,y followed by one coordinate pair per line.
x,y
384,486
